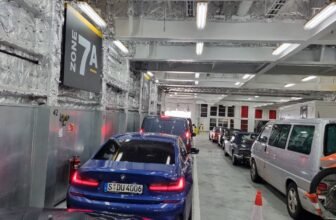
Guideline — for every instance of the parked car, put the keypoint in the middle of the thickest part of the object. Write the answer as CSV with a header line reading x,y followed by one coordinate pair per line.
x,y
136,173
240,147
224,134
214,134
226,137
287,155
170,125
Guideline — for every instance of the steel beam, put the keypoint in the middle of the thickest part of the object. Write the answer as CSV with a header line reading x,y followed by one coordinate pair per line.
x,y
148,52
305,94
156,52
201,67
186,30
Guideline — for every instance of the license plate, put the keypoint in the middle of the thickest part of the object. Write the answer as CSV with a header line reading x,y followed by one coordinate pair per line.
x,y
123,188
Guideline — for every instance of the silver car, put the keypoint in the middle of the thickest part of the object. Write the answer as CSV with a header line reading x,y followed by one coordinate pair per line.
x,y
287,155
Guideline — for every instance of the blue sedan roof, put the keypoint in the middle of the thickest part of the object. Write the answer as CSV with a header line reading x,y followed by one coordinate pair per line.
x,y
147,136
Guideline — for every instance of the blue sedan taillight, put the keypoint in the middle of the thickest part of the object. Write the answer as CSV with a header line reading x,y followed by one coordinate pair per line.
x,y
82,181
176,186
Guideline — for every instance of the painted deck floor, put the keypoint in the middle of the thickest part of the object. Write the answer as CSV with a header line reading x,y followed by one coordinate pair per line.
x,y
227,192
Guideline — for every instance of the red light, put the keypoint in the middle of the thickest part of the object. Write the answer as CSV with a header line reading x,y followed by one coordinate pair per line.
x,y
142,131
322,187
164,116
187,134
176,186
78,180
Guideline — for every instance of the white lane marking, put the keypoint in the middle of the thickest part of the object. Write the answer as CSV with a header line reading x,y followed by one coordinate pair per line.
x,y
196,212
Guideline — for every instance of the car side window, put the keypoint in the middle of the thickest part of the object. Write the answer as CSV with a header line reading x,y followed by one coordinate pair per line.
x,y
301,139
279,136
265,134
183,150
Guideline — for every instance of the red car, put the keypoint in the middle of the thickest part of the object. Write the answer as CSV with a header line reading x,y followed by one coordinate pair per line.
x,y
214,134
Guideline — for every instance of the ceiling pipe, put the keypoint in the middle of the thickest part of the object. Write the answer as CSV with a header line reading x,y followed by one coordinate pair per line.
x,y
244,8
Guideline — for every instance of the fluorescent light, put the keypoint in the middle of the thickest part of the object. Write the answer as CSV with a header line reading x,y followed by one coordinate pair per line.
x,y
321,16
197,75
308,78
121,46
150,73
249,99
237,83
156,81
88,10
256,96
175,93
199,48
296,98
202,11
196,82
290,85
246,76
285,47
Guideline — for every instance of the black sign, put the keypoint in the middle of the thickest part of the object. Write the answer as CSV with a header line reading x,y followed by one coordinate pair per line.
x,y
82,53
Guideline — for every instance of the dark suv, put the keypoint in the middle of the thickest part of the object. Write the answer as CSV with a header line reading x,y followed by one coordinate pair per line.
x,y
240,148
170,125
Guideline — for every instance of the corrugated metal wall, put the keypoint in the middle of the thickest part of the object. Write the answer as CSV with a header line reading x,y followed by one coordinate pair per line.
x,y
16,138
35,148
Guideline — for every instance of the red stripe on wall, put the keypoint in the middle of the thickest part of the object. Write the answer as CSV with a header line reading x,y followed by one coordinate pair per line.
x,y
244,111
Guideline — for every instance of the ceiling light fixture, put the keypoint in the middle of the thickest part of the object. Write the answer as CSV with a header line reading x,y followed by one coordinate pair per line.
x,y
237,83
88,10
246,76
296,98
285,48
290,85
321,16
121,46
308,78
156,81
150,73
197,75
256,96
202,11
196,82
199,48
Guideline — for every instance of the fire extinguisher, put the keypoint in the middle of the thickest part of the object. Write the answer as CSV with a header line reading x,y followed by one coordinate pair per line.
x,y
74,166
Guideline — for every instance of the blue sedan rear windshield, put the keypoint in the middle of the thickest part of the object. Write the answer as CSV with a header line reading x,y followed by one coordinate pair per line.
x,y
138,151
167,126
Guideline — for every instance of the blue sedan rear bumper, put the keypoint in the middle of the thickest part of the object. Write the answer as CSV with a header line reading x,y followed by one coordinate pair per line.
x,y
164,211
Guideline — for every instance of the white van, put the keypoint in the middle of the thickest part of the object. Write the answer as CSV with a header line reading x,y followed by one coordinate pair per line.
x,y
287,155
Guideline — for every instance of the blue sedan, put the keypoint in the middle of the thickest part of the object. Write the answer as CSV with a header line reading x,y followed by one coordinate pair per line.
x,y
145,174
